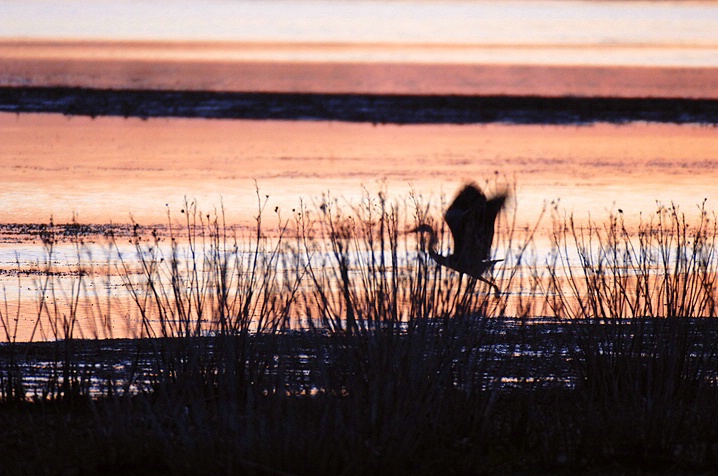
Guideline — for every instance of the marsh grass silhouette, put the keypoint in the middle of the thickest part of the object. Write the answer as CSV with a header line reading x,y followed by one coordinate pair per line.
x,y
331,344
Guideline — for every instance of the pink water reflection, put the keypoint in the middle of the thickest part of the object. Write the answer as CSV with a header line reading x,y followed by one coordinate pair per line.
x,y
111,169
107,169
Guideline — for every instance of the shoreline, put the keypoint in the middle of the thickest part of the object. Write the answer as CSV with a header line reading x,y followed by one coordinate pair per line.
x,y
367,108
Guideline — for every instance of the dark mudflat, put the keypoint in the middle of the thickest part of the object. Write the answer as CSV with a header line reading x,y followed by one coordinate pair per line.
x,y
373,108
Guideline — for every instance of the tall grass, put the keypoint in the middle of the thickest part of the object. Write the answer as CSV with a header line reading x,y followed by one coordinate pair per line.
x,y
328,342
640,307
665,268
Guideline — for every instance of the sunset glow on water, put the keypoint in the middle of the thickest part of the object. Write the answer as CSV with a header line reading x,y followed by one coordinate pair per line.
x,y
122,167
114,170
321,237
675,33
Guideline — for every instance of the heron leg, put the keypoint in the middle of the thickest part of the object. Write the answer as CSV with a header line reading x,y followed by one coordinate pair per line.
x,y
497,292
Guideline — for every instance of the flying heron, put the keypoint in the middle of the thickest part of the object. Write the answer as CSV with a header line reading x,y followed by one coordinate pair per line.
x,y
471,220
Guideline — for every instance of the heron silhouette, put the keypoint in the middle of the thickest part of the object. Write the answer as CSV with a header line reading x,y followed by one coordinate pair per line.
x,y
471,218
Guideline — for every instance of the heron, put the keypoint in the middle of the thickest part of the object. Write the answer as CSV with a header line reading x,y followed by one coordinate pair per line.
x,y
471,218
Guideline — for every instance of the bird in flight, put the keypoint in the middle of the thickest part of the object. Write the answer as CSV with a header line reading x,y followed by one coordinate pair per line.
x,y
471,218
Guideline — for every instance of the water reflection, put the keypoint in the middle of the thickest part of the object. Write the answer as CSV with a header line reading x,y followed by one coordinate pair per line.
x,y
556,26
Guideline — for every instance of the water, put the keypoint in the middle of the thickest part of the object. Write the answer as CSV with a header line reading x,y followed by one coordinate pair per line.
x,y
527,32
111,170
143,169
114,170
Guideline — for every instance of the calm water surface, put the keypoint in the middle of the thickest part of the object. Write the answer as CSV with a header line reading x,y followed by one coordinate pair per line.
x,y
544,32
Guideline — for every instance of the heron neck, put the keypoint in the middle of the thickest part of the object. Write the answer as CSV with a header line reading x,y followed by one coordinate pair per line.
x,y
433,242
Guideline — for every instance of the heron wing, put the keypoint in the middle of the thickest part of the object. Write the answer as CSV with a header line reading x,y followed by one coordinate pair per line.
x,y
484,221
461,214
471,219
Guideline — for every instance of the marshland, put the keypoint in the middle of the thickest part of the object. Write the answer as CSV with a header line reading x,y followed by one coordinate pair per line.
x,y
328,342
207,263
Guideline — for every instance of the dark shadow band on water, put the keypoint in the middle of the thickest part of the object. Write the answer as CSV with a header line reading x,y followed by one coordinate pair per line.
x,y
370,108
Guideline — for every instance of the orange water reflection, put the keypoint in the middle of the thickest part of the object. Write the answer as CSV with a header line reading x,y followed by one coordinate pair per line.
x,y
358,68
107,169
111,169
